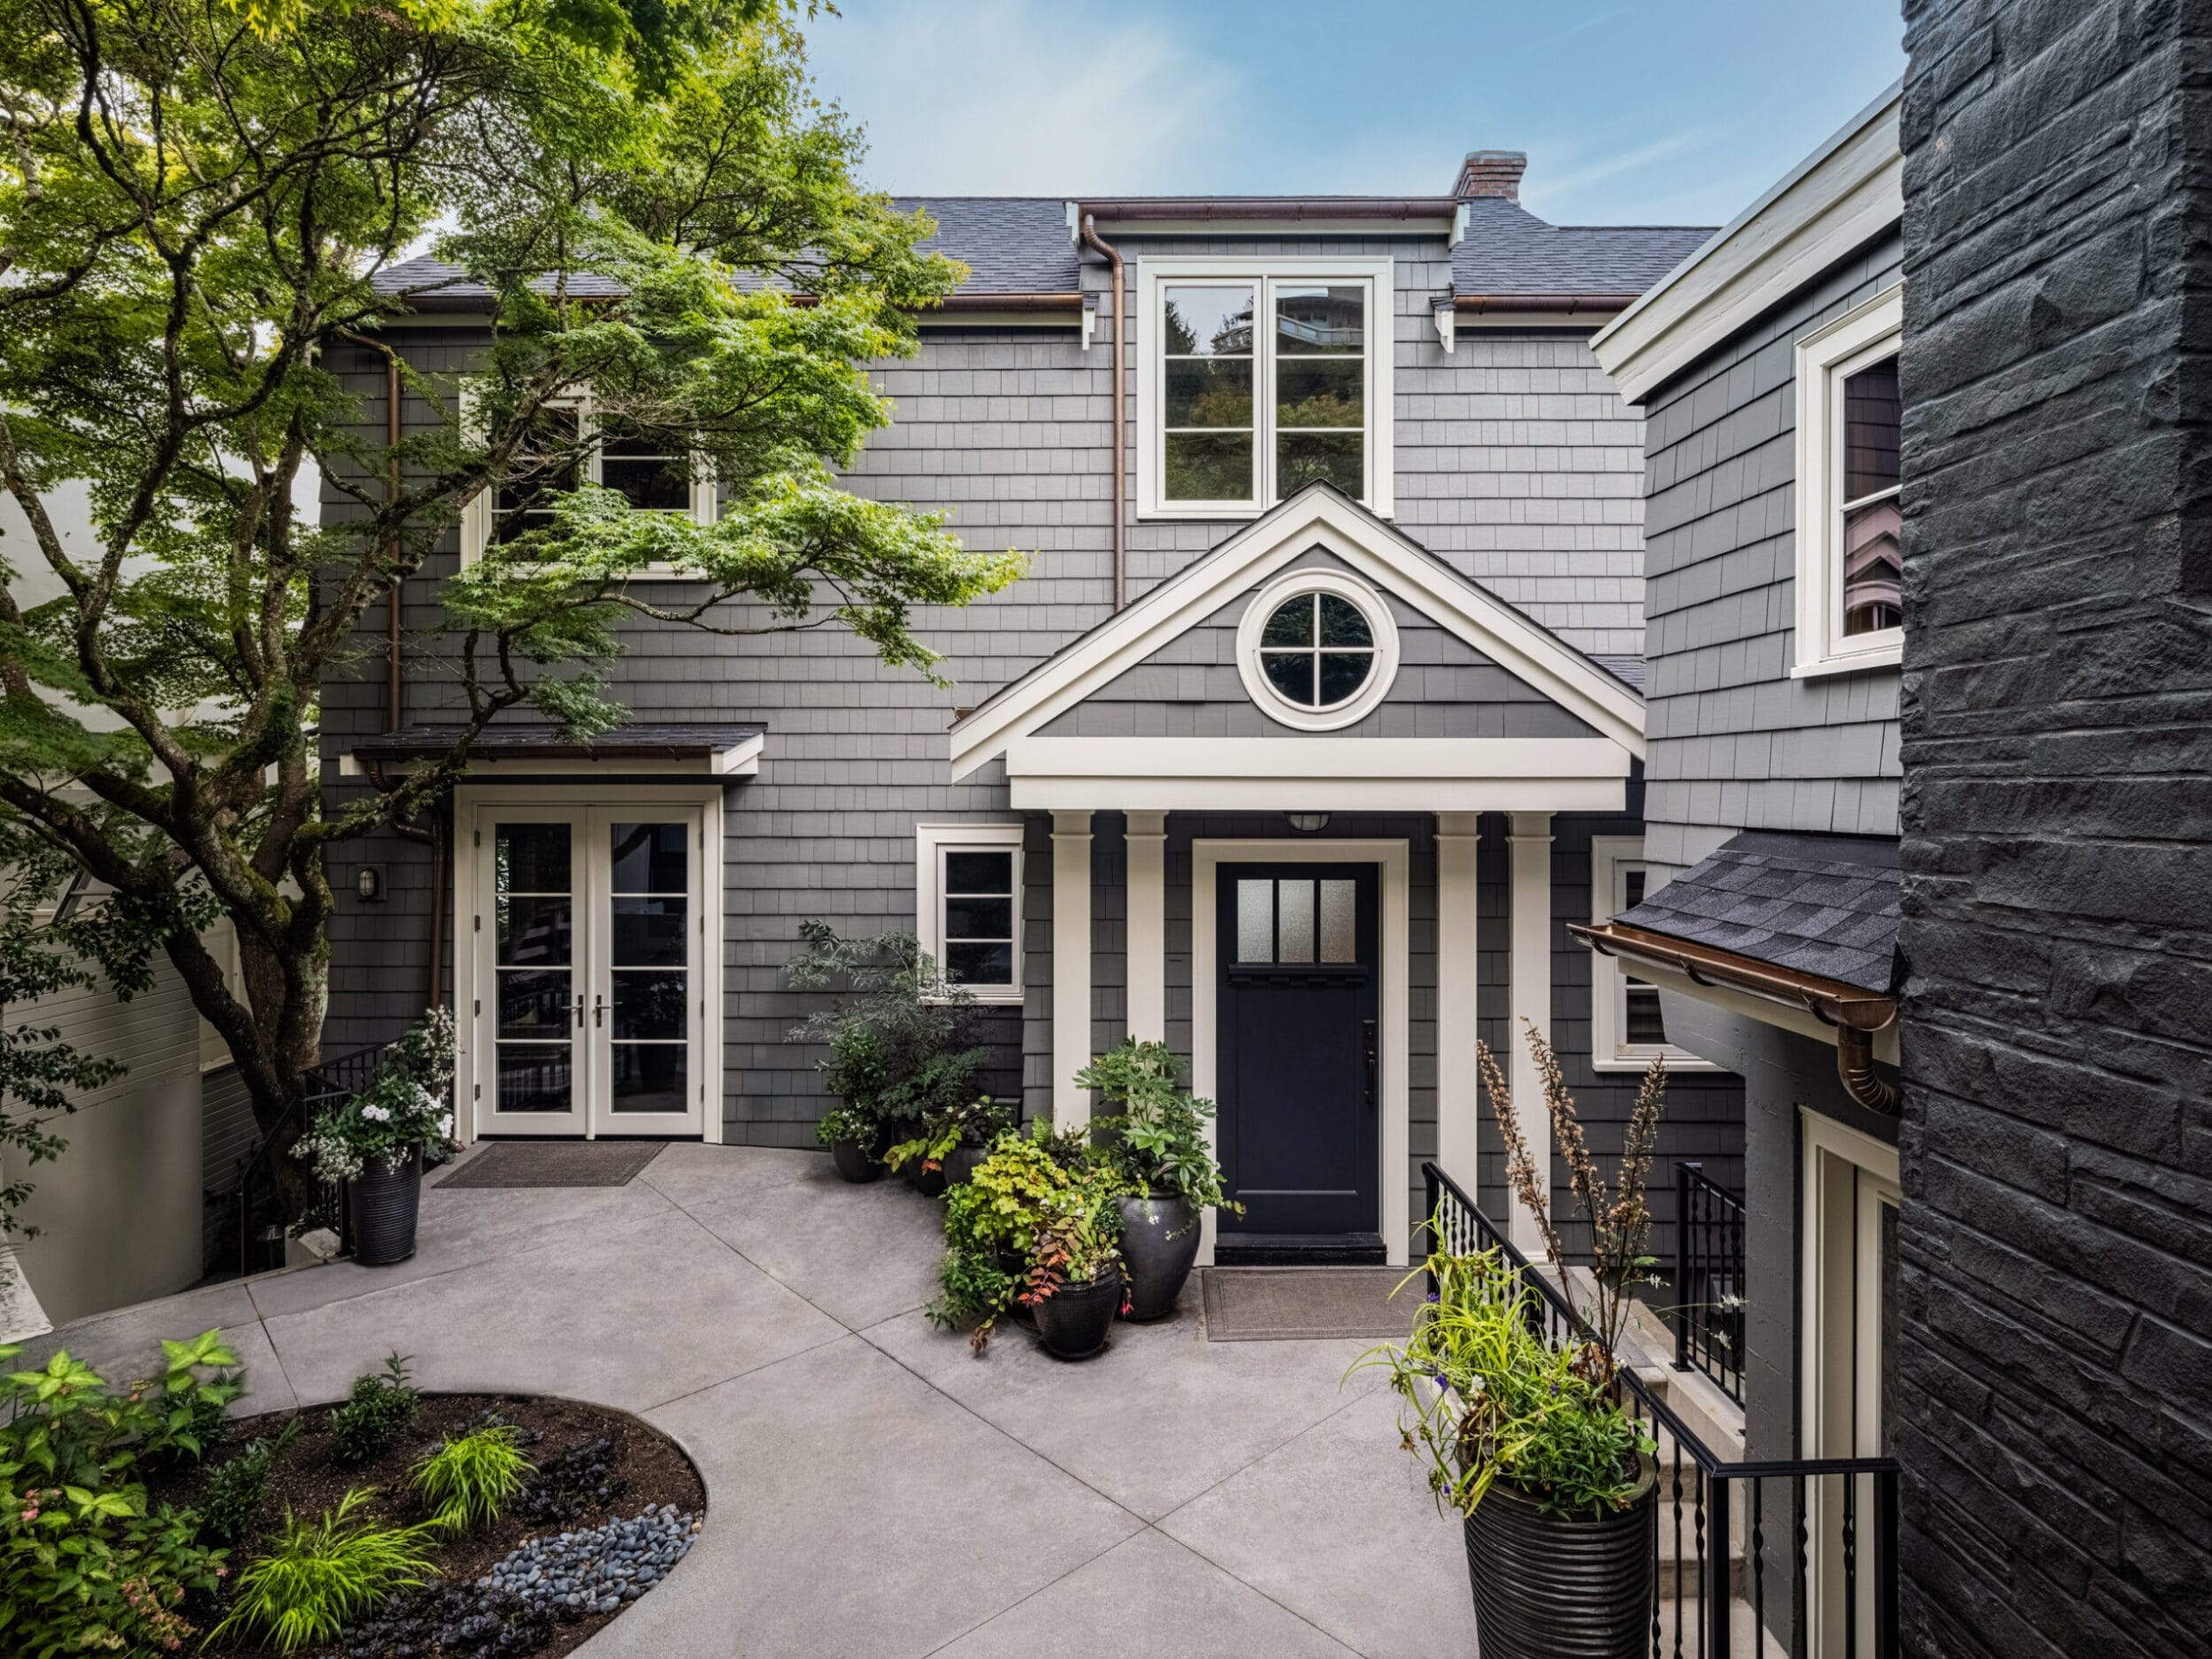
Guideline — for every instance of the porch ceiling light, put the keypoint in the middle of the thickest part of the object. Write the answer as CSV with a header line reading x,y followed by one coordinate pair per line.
x,y
1308,823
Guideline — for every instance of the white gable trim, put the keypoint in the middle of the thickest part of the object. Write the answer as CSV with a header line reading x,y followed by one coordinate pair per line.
x,y
1314,518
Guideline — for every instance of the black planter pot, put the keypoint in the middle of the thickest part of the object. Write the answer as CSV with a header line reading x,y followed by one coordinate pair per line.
x,y
928,1182
1159,1240
855,1161
1074,1319
963,1161
1015,1265
386,1200
1548,1588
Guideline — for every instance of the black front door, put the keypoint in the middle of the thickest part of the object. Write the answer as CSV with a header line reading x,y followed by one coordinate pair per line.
x,y
1299,1067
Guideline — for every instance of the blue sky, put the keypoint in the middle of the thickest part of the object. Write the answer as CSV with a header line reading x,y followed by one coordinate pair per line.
x,y
1666,111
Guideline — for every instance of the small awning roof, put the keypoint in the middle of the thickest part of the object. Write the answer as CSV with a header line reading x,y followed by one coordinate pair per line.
x,y
710,746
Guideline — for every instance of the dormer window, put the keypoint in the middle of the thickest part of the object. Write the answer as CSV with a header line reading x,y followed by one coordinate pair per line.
x,y
1256,381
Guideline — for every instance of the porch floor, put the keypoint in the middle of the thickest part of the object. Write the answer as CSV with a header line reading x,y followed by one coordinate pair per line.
x,y
871,1488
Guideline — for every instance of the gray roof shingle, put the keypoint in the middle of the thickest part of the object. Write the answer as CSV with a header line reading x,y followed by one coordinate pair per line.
x,y
1507,249
1012,244
1823,904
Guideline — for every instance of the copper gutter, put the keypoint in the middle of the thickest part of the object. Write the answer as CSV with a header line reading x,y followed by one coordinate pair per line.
x,y
1543,301
1118,208
1856,1012
1113,263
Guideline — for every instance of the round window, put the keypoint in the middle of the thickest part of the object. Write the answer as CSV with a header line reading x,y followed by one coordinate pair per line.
x,y
1317,650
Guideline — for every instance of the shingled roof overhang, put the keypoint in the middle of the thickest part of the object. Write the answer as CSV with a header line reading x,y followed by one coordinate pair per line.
x,y
1132,209
1549,303
718,747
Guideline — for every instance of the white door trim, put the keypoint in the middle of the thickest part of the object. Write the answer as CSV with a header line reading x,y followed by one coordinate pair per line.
x,y
1395,859
471,958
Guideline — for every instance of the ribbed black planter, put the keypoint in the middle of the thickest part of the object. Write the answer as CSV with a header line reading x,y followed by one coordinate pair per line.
x,y
1548,1588
1159,1240
1074,1319
386,1197
855,1161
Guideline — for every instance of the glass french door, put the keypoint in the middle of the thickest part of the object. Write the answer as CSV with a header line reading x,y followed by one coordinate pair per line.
x,y
589,1003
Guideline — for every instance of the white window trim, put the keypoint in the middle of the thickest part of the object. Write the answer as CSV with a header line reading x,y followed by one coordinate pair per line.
x,y
1151,395
1381,625
932,842
476,516
1609,1047
1825,358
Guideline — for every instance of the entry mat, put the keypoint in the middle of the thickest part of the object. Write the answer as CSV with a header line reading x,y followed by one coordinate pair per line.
x,y
1288,1304
556,1163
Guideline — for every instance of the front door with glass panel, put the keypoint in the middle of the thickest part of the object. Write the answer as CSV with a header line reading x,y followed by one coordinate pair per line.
x,y
588,1004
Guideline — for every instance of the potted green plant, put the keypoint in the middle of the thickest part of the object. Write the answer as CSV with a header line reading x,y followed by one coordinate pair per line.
x,y
1155,1131
853,1137
898,1039
1528,1438
953,1141
1075,1284
374,1141
992,1221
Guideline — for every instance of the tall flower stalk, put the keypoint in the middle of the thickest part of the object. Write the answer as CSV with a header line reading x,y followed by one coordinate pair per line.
x,y
1620,1212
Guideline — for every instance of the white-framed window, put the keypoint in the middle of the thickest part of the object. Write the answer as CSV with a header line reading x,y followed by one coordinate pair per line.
x,y
1256,379
1626,1028
968,888
1850,548
546,467
1317,649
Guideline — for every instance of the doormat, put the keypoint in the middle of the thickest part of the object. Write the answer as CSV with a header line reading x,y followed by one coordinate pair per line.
x,y
556,1163
1293,1304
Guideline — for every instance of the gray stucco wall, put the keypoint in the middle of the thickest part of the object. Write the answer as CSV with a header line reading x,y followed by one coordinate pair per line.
x,y
1515,460
1736,743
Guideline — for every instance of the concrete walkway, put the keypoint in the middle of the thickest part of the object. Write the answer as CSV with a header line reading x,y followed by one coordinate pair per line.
x,y
871,1489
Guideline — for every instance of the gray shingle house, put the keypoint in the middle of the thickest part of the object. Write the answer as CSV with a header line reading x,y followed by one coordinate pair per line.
x,y
1316,723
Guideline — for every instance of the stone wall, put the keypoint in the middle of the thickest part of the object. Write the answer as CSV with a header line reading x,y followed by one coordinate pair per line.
x,y
2055,1386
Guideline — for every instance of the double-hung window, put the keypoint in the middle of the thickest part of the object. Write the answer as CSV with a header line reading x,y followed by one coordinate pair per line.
x,y
1256,380
1627,1028
1850,529
569,443
968,882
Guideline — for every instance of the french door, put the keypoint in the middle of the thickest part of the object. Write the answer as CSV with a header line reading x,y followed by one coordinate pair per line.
x,y
588,1007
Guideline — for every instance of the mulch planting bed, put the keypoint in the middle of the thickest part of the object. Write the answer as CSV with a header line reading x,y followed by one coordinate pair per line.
x,y
645,1470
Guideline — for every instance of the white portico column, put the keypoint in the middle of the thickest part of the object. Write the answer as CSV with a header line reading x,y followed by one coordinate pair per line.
x,y
1531,842
1458,1091
1070,967
1147,837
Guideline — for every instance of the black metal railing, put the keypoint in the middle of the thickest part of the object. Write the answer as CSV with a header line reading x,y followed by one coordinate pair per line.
x,y
1709,1278
261,1225
1752,1557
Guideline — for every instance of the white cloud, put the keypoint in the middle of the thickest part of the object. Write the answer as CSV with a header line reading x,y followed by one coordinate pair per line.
x,y
1022,97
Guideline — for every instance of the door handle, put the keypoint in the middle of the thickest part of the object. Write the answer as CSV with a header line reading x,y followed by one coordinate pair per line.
x,y
1368,1060
580,1010
598,1011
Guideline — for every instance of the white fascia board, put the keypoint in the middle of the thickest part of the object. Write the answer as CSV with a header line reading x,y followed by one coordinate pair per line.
x,y
1317,774
740,761
1254,553
1842,195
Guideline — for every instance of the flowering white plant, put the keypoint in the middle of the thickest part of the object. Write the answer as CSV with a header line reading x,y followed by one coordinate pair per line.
x,y
404,1110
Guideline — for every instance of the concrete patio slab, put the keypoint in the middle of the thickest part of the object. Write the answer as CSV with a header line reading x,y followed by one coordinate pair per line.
x,y
630,1314
1160,1417
866,1514
692,1172
1148,1596
1339,1527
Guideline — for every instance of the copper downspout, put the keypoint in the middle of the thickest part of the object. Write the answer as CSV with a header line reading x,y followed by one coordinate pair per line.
x,y
1113,263
1856,1012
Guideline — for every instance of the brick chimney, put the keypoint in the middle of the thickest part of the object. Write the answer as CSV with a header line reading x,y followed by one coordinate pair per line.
x,y
1490,173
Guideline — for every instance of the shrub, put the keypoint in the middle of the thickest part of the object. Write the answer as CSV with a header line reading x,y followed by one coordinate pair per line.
x,y
898,1037
231,1504
375,1415
83,1567
405,1108
572,1481
470,1479
1155,1129
322,1575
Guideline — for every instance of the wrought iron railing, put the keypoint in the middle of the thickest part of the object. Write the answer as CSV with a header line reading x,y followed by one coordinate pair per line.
x,y
1709,1286
262,1224
1799,1579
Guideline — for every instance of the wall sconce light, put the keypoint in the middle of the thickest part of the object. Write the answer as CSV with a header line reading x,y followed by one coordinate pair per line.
x,y
1308,823
368,883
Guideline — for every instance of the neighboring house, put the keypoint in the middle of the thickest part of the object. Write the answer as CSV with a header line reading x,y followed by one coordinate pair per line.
x,y
1299,748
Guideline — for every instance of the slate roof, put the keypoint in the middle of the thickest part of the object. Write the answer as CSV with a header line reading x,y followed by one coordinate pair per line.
x,y
1012,244
689,741
1507,249
1823,904
433,280
1628,669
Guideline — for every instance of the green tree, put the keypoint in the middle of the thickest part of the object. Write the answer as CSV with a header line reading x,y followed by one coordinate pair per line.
x,y
195,196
